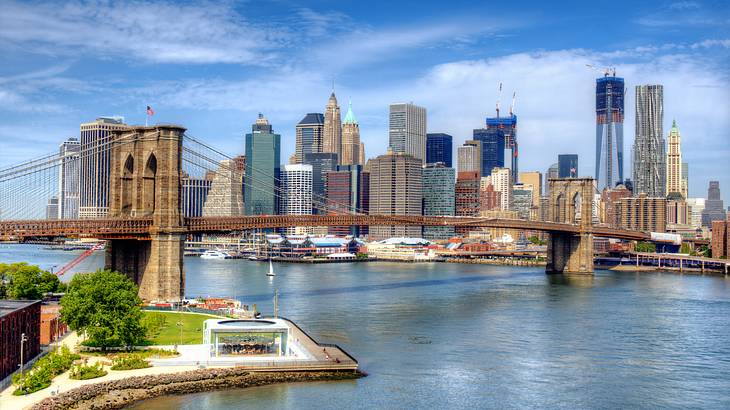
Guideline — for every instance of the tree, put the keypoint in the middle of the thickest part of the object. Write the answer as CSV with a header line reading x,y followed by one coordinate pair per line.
x,y
645,247
104,305
23,281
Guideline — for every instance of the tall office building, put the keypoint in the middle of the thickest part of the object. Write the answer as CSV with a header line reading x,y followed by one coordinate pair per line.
x,y
674,176
649,160
52,208
492,142
407,130
507,152
296,188
438,148
69,172
568,166
263,159
609,131
332,131
438,198
469,157
533,179
696,207
714,208
522,195
551,173
362,154
348,190
95,163
501,178
685,179
225,197
350,139
396,182
322,163
309,133
194,192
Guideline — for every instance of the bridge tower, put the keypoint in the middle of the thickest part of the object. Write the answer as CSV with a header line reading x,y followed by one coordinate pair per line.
x,y
571,201
145,182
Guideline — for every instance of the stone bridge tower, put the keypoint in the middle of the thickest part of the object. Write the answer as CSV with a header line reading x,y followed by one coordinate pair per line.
x,y
145,182
571,201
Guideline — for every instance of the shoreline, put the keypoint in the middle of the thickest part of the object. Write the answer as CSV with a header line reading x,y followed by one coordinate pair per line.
x,y
121,393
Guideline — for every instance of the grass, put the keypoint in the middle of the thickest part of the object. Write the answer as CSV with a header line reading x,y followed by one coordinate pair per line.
x,y
169,332
151,353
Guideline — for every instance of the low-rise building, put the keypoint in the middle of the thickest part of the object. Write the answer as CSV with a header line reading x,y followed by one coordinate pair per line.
x,y
20,329
401,249
721,238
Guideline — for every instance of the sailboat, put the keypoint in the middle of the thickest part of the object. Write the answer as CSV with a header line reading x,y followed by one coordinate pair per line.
x,y
271,269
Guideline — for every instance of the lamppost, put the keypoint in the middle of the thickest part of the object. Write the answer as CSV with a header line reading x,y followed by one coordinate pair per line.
x,y
23,339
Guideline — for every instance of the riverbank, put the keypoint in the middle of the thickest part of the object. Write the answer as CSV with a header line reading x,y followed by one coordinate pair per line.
x,y
501,262
121,393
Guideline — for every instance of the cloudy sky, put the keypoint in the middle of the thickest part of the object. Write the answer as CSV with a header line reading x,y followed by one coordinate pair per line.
x,y
213,66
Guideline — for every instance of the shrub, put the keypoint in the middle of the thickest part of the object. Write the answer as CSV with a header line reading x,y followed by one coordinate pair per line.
x,y
44,370
130,362
85,372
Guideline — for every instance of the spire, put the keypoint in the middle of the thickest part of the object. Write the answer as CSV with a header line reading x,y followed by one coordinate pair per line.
x,y
674,125
349,117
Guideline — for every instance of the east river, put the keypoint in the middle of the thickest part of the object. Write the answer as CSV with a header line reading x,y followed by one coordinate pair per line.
x,y
477,336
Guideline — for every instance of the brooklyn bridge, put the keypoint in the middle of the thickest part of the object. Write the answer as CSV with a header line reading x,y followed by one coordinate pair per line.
x,y
146,230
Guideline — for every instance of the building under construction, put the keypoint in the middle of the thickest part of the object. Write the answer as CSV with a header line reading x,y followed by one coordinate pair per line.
x,y
609,130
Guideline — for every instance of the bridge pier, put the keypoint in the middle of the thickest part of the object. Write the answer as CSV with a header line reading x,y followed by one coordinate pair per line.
x,y
570,253
571,201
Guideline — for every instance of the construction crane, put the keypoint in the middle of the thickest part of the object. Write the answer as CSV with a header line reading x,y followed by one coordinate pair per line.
x,y
499,97
606,71
512,106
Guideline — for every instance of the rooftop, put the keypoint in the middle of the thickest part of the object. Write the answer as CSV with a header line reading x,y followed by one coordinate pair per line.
x,y
10,306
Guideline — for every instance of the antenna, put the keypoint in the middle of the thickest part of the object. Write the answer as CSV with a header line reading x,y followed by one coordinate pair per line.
x,y
499,98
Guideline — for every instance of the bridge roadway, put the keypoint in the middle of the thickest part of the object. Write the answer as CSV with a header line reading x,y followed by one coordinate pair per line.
x,y
139,228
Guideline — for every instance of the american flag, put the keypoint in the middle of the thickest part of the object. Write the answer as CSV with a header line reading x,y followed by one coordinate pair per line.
x,y
150,111
572,171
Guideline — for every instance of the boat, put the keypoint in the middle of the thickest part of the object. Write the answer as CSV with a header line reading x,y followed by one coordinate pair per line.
x,y
213,255
271,269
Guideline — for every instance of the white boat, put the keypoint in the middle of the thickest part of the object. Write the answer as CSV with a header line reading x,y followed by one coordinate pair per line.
x,y
213,255
271,269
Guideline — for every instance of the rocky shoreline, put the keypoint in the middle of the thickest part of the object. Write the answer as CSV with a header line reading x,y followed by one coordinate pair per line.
x,y
121,393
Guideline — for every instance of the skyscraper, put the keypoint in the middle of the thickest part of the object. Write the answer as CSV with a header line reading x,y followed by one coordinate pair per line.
x,y
322,163
649,159
350,139
506,128
69,172
263,158
551,173
296,188
395,189
95,165
567,166
533,179
501,178
438,198
714,208
522,200
332,131
469,156
675,180
225,197
348,190
467,193
194,192
609,131
492,143
685,179
52,208
309,133
407,130
438,148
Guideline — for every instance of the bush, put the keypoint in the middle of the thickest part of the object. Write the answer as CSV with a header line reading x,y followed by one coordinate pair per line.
x,y
44,370
85,372
130,362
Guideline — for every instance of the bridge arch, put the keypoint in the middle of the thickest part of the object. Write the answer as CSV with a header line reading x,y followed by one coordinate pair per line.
x,y
127,186
149,182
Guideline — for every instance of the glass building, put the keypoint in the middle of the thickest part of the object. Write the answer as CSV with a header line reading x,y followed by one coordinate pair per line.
x,y
240,338
649,172
609,131
263,153
309,135
492,144
322,163
568,166
438,198
507,128
347,189
438,148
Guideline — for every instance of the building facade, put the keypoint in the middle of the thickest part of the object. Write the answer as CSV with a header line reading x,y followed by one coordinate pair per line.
x,y
439,148
469,157
18,318
721,239
534,180
551,173
611,212
348,190
438,198
696,207
351,144
492,148
322,163
194,192
568,166
714,207
609,131
332,131
467,193
522,201
309,134
396,183
263,159
675,177
501,178
506,127
407,130
296,188
69,173
224,197
643,213
649,159
95,163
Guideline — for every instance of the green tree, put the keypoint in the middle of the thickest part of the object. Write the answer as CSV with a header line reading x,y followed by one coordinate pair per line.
x,y
645,247
23,281
104,305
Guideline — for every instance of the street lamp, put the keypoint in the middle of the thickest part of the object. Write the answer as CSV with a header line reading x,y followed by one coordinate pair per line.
x,y
23,339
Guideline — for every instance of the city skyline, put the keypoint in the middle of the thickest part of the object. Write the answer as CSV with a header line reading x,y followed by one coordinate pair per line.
x,y
44,98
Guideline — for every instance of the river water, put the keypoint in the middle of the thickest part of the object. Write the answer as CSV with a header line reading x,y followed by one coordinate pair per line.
x,y
458,336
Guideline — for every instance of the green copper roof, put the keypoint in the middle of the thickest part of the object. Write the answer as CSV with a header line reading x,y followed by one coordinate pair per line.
x,y
674,125
350,117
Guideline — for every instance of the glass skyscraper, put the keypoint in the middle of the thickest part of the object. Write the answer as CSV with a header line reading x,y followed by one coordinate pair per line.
x,y
567,166
438,198
507,128
309,135
438,149
492,143
649,149
407,130
609,131
322,163
263,153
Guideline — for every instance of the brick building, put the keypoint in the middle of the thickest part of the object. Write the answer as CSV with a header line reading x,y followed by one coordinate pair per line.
x,y
17,318
721,238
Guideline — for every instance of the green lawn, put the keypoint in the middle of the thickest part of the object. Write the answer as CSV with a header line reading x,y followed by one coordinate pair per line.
x,y
169,332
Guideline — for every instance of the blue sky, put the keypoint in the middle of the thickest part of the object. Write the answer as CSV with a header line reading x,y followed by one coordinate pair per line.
x,y
212,66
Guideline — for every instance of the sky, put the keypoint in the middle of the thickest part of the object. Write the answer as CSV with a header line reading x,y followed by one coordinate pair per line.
x,y
213,66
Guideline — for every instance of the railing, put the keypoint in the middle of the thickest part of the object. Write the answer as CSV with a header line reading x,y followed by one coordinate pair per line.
x,y
320,344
